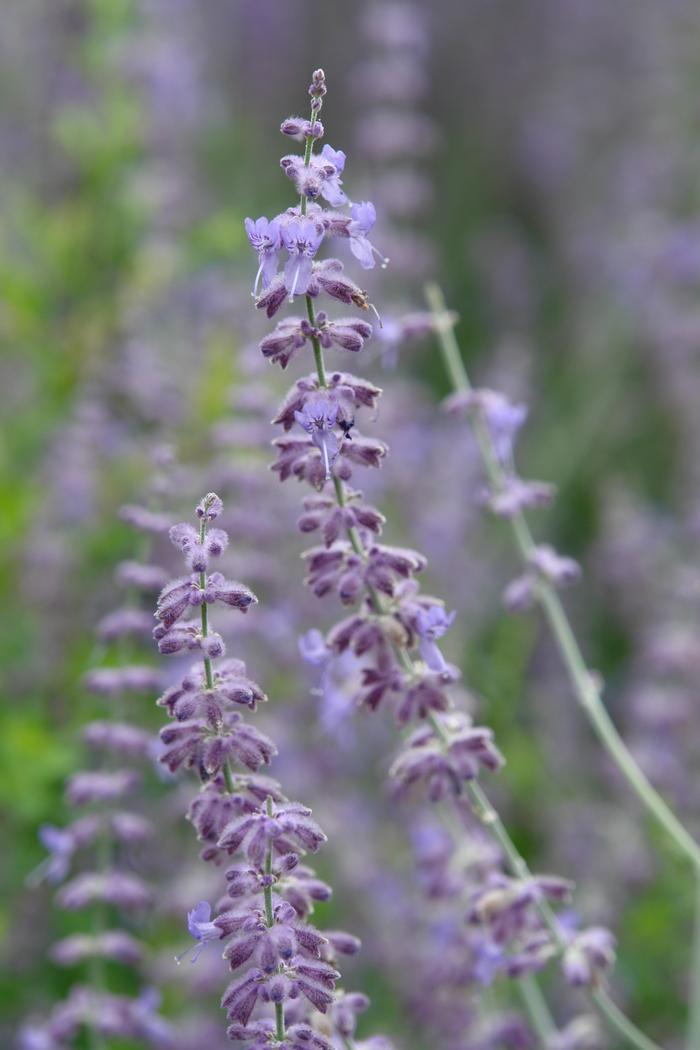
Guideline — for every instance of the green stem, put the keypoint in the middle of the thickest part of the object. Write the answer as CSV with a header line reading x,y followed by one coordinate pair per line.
x,y
267,892
270,920
204,611
318,351
693,1039
488,816
536,1006
619,1021
308,150
585,687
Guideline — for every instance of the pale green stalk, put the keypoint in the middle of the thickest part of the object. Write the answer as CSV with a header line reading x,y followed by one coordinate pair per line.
x,y
585,685
693,1037
208,673
270,922
536,1006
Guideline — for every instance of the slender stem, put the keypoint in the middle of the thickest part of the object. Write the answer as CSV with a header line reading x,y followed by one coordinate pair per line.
x,y
318,352
536,1006
308,150
267,892
693,1039
270,919
587,691
618,1020
203,609
488,816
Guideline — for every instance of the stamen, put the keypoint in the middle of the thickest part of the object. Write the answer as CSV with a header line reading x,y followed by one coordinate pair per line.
x,y
383,259
326,461
254,293
294,282
376,311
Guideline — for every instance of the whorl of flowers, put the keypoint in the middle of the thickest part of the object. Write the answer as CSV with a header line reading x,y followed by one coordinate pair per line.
x,y
284,969
393,629
91,858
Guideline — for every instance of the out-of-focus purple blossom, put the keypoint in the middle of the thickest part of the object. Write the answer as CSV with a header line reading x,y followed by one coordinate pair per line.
x,y
431,624
61,846
589,956
503,417
313,648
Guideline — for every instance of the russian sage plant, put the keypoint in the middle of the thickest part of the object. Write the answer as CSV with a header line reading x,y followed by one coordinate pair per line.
x,y
495,421
104,835
284,994
394,629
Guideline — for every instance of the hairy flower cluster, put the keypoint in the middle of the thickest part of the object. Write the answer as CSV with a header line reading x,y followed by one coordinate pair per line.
x,y
105,833
284,969
393,630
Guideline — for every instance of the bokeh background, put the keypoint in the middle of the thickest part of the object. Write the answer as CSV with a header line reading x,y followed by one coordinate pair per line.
x,y
540,160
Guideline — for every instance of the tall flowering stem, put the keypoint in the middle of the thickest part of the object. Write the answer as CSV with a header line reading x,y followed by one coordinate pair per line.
x,y
544,570
392,633
483,413
285,968
103,834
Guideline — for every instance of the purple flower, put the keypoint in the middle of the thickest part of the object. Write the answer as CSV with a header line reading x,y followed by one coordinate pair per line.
x,y
55,867
364,216
302,238
31,1037
147,1020
313,648
331,164
202,929
432,623
112,887
503,417
265,239
589,956
318,419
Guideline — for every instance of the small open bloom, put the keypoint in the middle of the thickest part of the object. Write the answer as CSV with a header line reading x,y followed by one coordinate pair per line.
x,y
589,956
331,164
61,847
318,419
431,624
364,216
202,929
302,238
264,237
